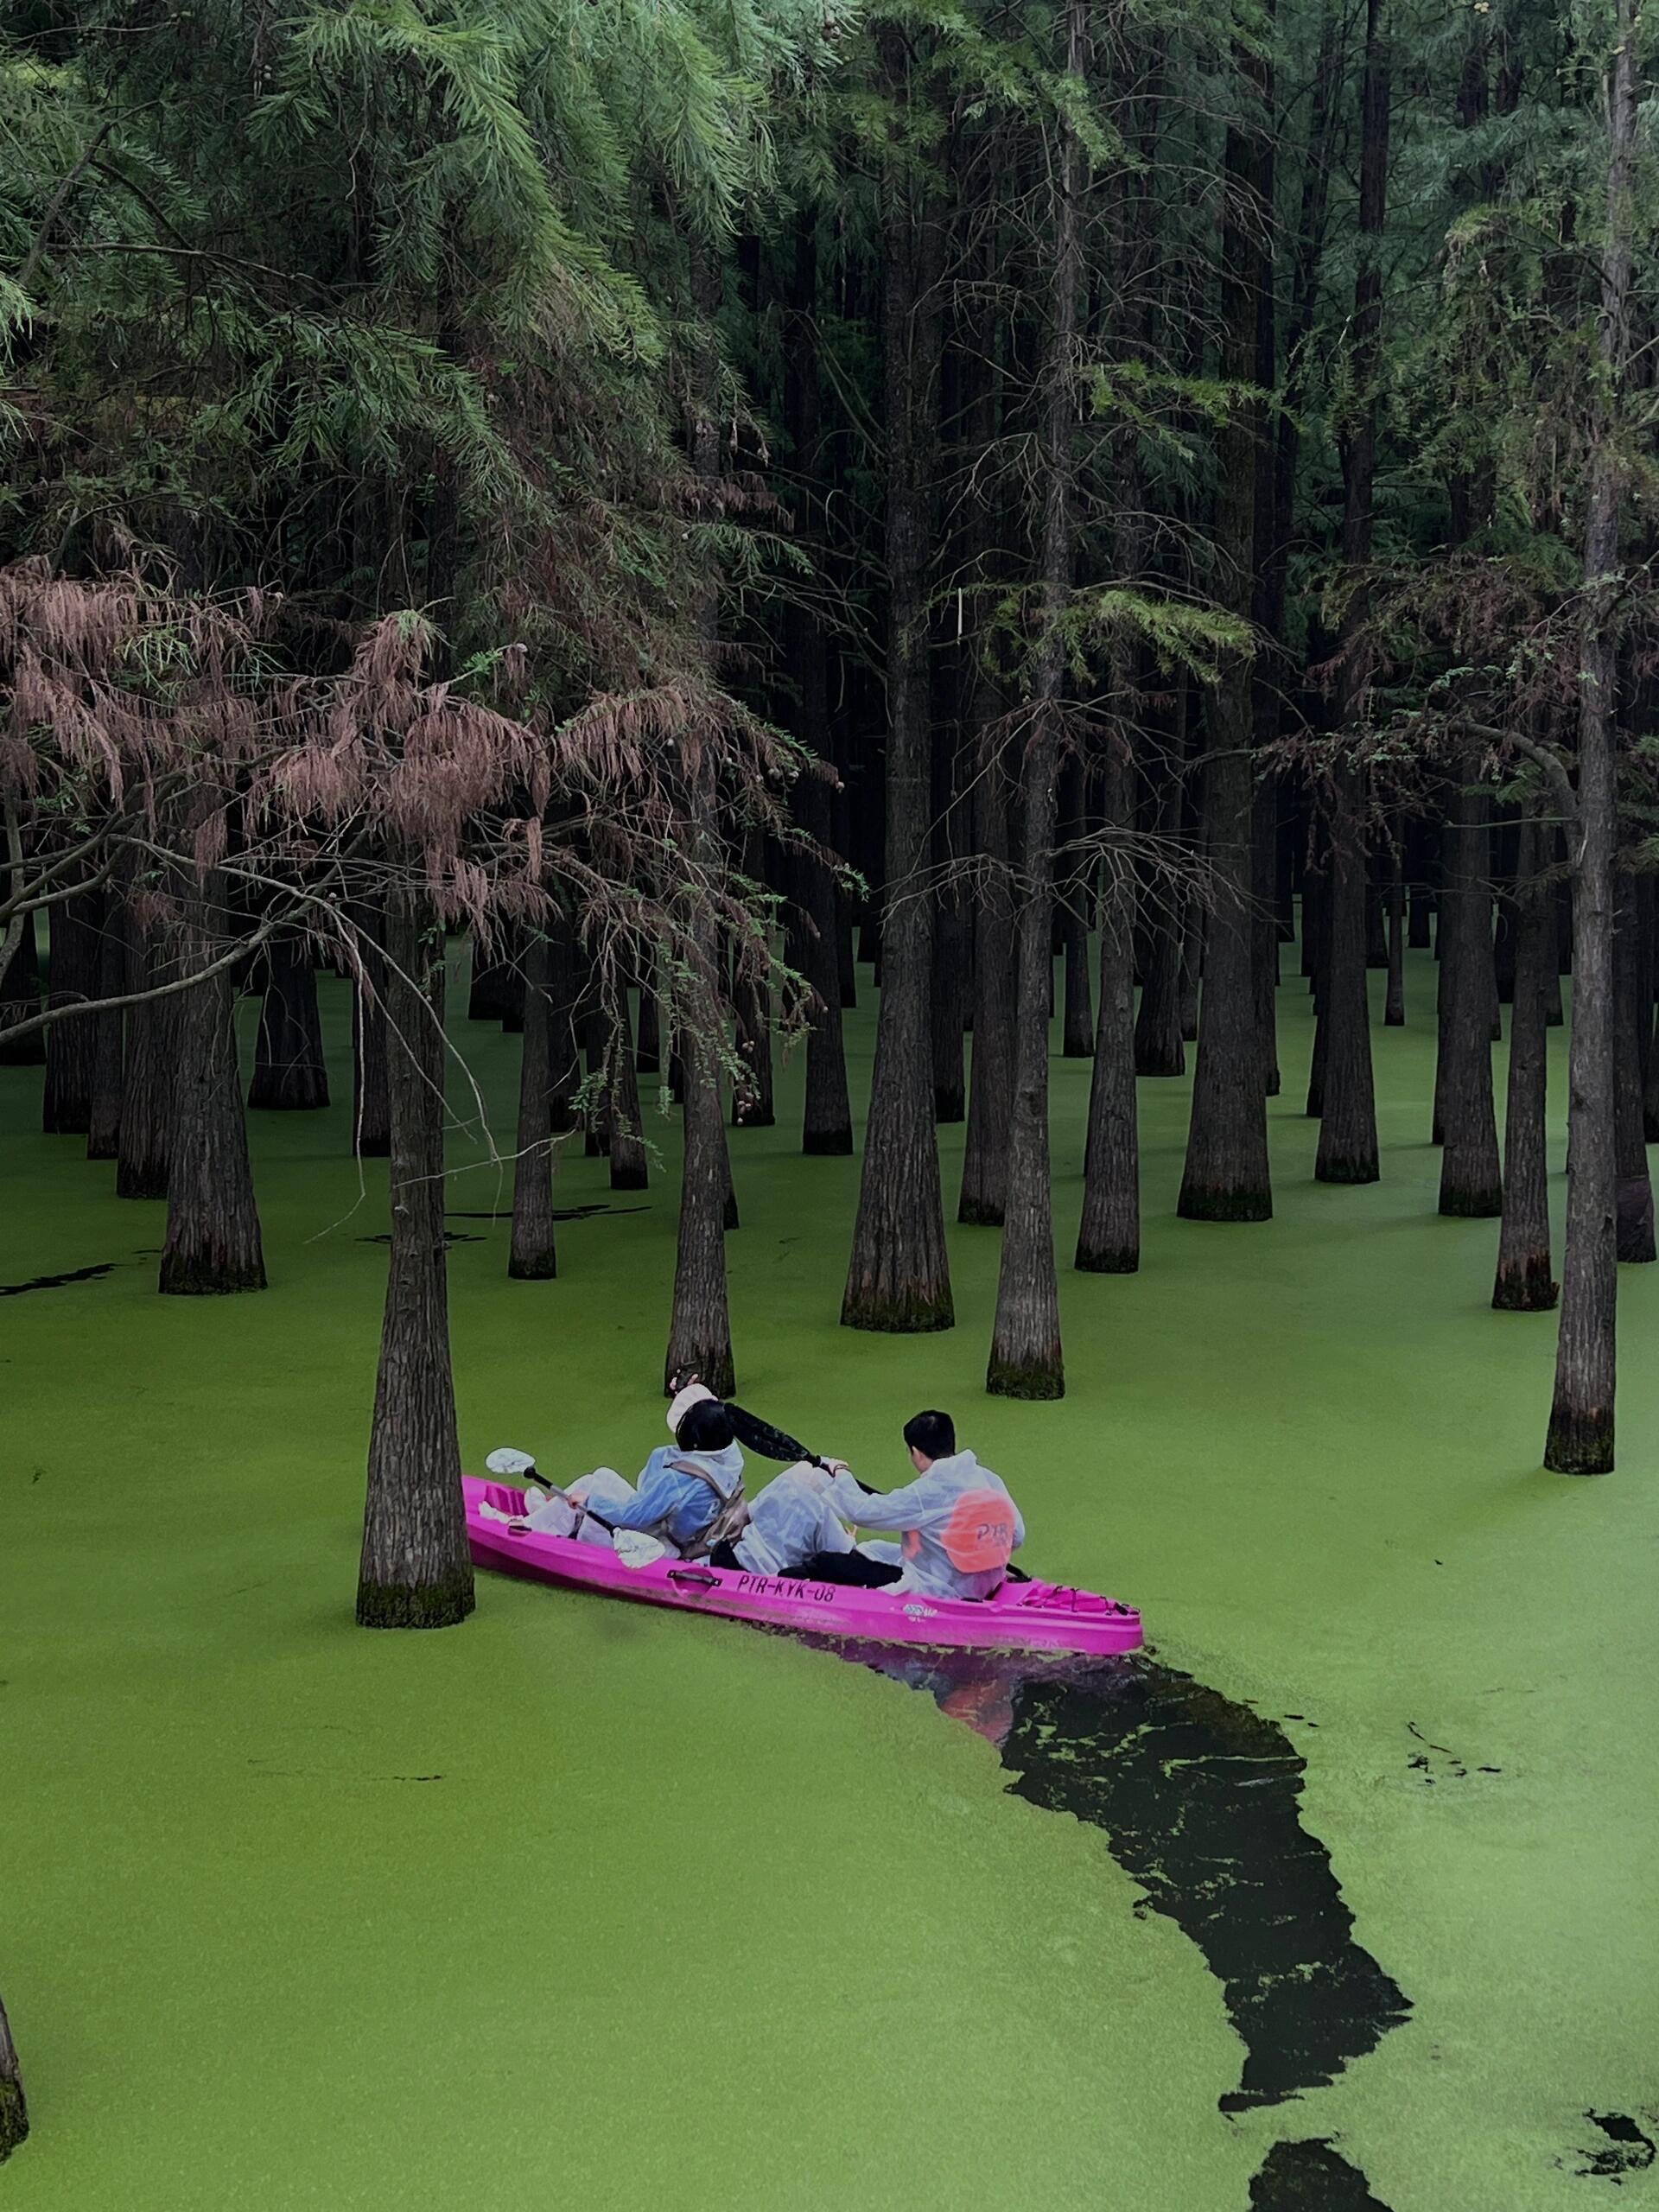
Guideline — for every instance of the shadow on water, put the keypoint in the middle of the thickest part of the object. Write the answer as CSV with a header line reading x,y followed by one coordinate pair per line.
x,y
1197,1798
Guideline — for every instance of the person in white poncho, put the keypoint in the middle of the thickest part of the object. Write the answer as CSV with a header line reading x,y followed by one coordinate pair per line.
x,y
957,1526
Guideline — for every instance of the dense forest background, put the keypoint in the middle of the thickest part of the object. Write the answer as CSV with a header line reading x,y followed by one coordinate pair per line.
x,y
700,496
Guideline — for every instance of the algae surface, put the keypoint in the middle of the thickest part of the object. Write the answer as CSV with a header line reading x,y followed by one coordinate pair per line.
x,y
580,1904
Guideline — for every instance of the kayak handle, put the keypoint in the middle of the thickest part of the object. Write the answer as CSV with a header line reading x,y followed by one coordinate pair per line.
x,y
702,1580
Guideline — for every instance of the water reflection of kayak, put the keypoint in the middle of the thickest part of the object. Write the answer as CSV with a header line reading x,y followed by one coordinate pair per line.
x,y
1022,1616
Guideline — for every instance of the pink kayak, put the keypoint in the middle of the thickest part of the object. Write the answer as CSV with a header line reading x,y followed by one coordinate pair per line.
x,y
1022,1616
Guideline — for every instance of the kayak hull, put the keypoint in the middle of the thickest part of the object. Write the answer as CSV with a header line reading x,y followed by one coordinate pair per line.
x,y
1022,1616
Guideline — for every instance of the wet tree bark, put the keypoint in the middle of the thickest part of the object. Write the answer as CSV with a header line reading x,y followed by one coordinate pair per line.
x,y
1524,1283
899,1277
1634,1191
817,919
109,1036
289,1073
1581,1421
1077,1025
213,1243
14,2110
416,1570
534,1254
71,1046
1227,1176
141,1163
1347,1148
20,1001
1393,1005
1026,1360
1471,1183
1108,1236
630,1163
1348,1145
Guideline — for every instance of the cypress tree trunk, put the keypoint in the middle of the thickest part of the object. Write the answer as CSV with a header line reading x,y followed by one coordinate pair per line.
x,y
1419,905
1077,920
648,1045
1394,1008
1026,1361
416,1570
630,1164
1348,1146
512,980
289,1072
1194,934
1471,1183
950,992
983,1199
1347,1149
1108,1236
1581,1429
212,1220
753,1105
72,1045
827,1116
534,1254
146,1089
486,994
1265,951
1227,1176
109,1036
1634,1192
20,1001
1159,1048
371,1094
14,2111
1524,1283
899,1277
700,1333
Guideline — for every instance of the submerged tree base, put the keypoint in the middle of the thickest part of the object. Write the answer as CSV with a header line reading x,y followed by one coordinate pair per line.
x,y
427,1604
827,1144
1109,1260
979,1213
1200,1203
1525,1286
914,1312
1478,1202
209,1275
540,1267
1580,1440
13,2117
1025,1378
1361,1167
1635,1219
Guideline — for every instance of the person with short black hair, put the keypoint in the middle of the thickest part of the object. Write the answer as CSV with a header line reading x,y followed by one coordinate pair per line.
x,y
957,1526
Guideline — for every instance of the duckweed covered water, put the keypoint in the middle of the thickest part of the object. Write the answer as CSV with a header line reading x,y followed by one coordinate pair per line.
x,y
586,1904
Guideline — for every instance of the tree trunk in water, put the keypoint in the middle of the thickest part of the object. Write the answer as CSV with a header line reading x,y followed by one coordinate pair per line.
x,y
1393,1006
700,1334
1471,1182
212,1220
1419,902
899,1277
1634,1190
952,982
372,1096
752,1106
630,1164
1524,1283
983,1199
1581,1433
14,2111
1026,1360
827,1115
289,1073
1347,1148
648,1045
534,1255
147,1090
20,1001
1193,936
109,1037
72,1045
1159,1048
1264,857
1077,922
416,1570
1108,1236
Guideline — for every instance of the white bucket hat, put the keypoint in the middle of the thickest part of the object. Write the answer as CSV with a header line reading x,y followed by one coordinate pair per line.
x,y
509,1463
693,1394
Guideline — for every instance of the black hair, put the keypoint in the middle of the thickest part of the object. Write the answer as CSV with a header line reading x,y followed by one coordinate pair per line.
x,y
932,1435
706,1426
757,1435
